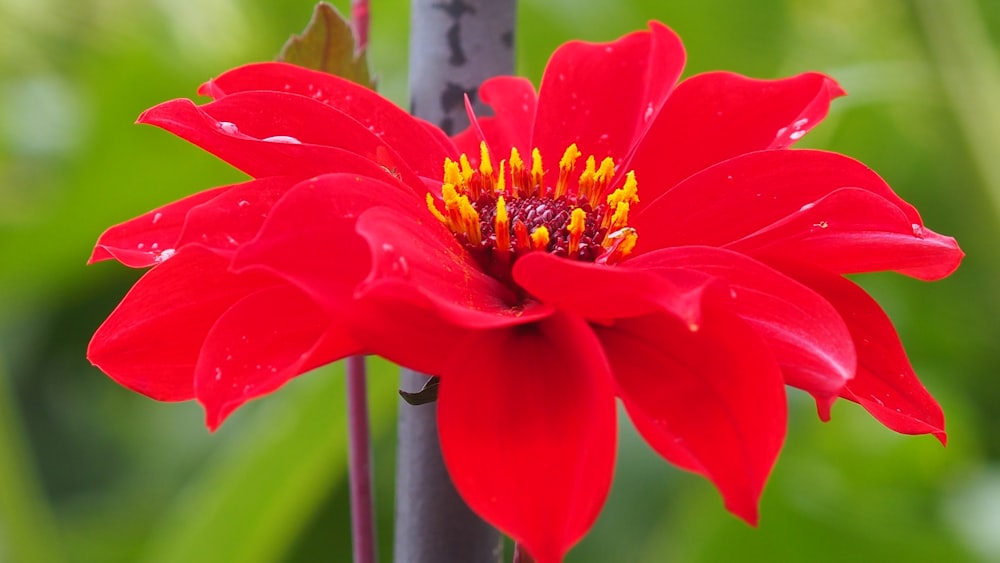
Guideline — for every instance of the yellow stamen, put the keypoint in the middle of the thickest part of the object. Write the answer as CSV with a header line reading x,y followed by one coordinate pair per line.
x,y
566,165
462,217
537,174
586,185
485,168
502,179
629,192
502,225
517,175
467,173
485,165
432,207
452,173
577,223
619,218
619,244
602,179
540,238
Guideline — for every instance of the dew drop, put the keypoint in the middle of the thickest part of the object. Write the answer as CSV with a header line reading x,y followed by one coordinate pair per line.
x,y
807,207
282,139
386,247
229,128
156,217
155,245
649,112
167,254
796,135
801,123
218,374
140,246
243,203
918,231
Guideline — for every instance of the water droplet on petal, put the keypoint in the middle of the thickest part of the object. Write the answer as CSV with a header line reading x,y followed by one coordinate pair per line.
x,y
218,374
243,203
796,135
167,254
229,128
918,231
157,217
807,207
283,139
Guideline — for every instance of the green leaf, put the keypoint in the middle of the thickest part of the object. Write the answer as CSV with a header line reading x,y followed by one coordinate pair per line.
x,y
327,44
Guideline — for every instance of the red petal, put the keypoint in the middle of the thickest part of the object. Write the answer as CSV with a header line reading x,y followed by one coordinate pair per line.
x,y
513,100
151,342
418,261
422,151
805,333
853,231
309,237
139,242
601,95
885,384
716,116
310,240
604,293
527,425
259,344
711,400
234,217
260,158
742,195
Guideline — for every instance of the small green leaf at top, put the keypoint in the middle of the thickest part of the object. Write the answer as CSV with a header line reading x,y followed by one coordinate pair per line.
x,y
327,45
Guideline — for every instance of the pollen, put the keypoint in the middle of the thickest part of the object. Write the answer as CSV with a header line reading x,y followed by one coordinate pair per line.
x,y
503,210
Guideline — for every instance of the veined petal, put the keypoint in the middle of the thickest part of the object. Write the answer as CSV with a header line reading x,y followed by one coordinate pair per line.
x,y
360,152
885,384
259,344
529,436
418,261
152,340
601,293
422,151
712,117
854,231
139,242
600,95
804,332
745,194
711,401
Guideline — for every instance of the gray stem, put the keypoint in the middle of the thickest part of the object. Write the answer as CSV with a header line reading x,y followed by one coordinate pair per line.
x,y
454,46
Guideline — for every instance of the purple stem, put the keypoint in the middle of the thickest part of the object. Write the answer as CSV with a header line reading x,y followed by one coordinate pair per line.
x,y
360,466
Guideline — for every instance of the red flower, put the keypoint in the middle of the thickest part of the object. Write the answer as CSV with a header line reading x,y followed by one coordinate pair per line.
x,y
691,268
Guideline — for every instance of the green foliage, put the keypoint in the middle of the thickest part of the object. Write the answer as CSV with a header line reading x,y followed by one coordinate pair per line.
x,y
327,44
90,472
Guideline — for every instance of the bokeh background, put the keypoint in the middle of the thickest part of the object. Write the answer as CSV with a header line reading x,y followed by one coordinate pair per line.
x,y
92,473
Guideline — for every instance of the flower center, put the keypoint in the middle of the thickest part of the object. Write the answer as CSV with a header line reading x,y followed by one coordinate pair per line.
x,y
500,214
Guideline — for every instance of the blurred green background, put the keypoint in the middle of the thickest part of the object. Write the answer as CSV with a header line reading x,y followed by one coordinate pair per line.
x,y
92,473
